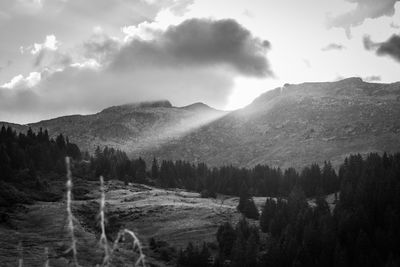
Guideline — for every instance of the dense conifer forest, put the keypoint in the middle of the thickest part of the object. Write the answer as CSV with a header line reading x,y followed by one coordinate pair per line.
x,y
261,180
362,229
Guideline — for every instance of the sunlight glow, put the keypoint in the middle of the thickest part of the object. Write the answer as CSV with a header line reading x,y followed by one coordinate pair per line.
x,y
246,90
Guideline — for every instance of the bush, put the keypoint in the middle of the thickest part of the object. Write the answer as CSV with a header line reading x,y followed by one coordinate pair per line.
x,y
164,250
208,194
9,195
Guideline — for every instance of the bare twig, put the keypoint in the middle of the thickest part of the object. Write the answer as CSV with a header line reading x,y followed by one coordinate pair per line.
x,y
70,215
20,252
135,243
103,238
46,253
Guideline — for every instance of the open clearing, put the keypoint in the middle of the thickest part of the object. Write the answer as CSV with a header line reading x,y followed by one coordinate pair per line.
x,y
175,216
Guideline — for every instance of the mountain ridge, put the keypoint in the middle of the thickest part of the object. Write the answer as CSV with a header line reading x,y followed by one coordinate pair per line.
x,y
292,125
295,125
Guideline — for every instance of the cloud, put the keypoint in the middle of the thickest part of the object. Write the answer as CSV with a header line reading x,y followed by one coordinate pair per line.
x,y
101,48
40,50
20,81
333,46
390,48
199,42
373,78
369,44
196,60
364,9
50,43
23,21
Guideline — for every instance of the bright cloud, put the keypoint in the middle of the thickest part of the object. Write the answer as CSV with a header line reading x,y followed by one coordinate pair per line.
x,y
20,81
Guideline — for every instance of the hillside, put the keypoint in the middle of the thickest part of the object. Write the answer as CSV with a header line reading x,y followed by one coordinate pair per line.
x,y
299,124
290,126
133,128
173,217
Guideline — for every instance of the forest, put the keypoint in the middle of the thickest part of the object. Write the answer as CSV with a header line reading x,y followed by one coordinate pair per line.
x,y
361,230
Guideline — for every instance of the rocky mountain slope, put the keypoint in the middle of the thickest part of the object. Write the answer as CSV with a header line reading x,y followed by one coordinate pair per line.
x,y
299,124
134,128
290,126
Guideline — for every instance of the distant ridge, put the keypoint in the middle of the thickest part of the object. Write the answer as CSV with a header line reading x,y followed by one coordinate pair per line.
x,y
146,104
293,125
199,106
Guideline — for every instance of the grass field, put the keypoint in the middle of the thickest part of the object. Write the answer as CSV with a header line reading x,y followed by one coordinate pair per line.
x,y
174,216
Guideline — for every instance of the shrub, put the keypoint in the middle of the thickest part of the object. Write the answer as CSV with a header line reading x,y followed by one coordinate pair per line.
x,y
208,194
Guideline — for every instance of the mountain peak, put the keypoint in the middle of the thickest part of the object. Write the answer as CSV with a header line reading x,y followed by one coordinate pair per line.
x,y
145,104
351,80
198,106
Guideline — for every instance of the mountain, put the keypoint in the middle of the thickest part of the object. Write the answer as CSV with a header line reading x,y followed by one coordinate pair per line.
x,y
299,124
294,125
134,128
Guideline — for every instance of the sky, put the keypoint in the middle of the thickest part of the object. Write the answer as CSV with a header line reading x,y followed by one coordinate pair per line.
x,y
61,57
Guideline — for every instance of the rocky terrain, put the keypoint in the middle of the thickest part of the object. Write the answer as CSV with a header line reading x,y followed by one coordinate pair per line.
x,y
290,126
134,128
299,124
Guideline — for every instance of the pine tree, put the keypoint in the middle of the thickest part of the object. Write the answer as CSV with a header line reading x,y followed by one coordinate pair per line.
x,y
250,210
226,237
267,214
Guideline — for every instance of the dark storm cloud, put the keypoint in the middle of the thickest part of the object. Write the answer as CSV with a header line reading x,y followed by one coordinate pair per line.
x,y
199,42
196,60
333,46
364,9
390,48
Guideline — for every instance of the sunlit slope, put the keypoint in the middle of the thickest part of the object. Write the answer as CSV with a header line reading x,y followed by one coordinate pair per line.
x,y
299,124
134,128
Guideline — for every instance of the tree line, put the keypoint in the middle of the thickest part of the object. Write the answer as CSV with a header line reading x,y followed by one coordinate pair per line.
x,y
261,180
24,158
361,230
